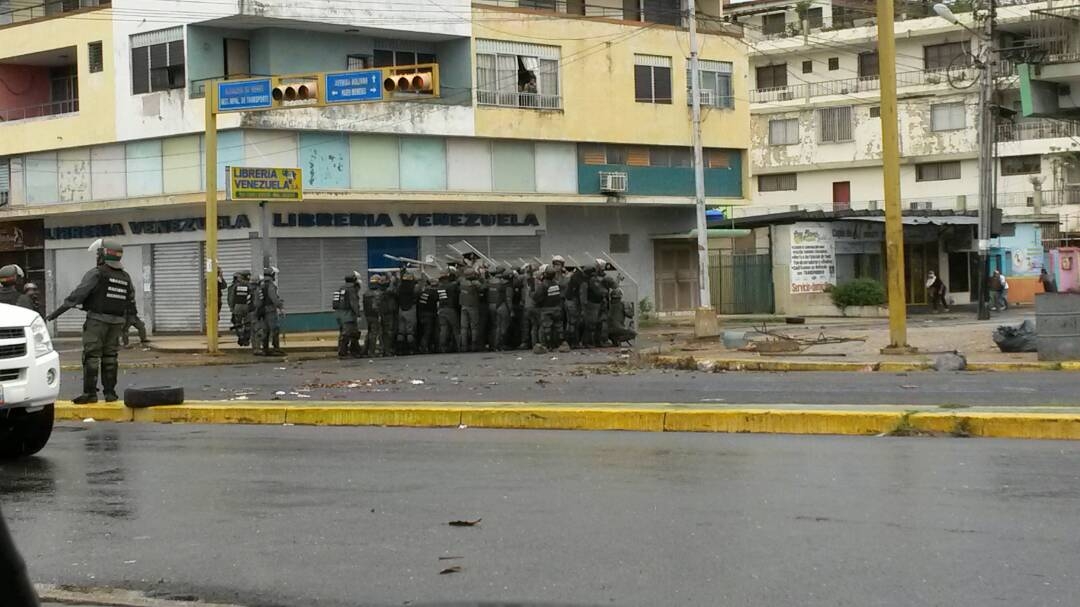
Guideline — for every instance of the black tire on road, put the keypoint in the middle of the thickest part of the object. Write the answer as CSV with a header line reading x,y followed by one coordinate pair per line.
x,y
137,398
23,434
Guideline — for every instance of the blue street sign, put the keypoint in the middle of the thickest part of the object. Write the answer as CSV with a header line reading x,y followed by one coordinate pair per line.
x,y
244,95
344,87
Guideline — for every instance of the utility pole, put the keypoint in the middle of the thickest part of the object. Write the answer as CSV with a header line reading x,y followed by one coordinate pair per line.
x,y
705,323
986,163
211,218
890,154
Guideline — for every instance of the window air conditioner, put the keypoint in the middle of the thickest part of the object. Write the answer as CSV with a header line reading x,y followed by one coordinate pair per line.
x,y
613,183
708,98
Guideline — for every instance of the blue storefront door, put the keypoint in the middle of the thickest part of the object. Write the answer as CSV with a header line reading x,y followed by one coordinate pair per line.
x,y
398,246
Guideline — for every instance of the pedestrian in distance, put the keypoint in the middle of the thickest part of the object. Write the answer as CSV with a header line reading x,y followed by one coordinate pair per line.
x,y
1048,283
30,298
999,291
107,294
936,291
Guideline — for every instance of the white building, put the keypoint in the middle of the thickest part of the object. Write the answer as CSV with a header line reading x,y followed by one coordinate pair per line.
x,y
816,132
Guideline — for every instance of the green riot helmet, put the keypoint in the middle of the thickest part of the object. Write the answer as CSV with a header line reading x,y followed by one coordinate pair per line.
x,y
111,253
8,275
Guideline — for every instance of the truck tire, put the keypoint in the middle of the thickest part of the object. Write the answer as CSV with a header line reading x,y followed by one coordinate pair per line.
x,y
23,434
138,398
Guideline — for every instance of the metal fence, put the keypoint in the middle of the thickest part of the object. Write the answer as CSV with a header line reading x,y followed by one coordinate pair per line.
x,y
741,283
1037,129
50,8
848,86
525,100
56,108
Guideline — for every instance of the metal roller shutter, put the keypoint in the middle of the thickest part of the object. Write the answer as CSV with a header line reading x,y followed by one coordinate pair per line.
x,y
510,248
300,274
69,268
341,256
177,274
233,256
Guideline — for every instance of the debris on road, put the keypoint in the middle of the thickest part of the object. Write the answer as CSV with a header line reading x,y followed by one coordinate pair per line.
x,y
950,361
417,382
1021,338
450,558
464,523
448,570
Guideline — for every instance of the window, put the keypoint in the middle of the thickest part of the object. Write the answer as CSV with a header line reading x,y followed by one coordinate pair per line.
x,y
807,67
946,116
5,181
94,57
868,65
834,64
834,124
772,76
387,58
773,24
715,84
1021,165
718,159
780,182
652,79
937,171
618,243
515,74
814,18
945,56
669,157
157,61
875,111
784,131
358,62
546,5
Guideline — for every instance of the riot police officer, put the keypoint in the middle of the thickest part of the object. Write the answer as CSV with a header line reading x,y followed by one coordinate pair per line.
x,y
594,296
9,288
106,293
346,305
267,308
470,311
30,298
530,319
407,293
427,307
372,301
388,314
240,294
549,298
499,294
449,291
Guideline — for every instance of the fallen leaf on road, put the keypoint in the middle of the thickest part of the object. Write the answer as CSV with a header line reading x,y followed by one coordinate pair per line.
x,y
453,569
465,523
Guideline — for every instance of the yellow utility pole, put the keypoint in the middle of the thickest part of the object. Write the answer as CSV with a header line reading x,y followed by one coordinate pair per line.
x,y
890,152
211,219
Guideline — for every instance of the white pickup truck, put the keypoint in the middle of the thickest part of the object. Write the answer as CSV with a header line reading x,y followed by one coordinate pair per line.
x,y
29,382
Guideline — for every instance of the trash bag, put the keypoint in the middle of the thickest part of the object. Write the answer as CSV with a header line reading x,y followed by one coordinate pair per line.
x,y
1020,338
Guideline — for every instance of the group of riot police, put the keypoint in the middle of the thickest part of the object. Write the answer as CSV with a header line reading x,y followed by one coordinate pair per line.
x,y
15,291
472,307
257,310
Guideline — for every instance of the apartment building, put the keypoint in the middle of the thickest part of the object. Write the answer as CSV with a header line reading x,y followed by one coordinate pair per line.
x,y
559,128
816,134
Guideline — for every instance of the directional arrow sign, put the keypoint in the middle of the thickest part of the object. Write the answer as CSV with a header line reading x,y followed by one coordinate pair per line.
x,y
350,87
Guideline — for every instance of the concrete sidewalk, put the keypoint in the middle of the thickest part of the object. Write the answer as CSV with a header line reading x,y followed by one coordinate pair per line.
x,y
1021,422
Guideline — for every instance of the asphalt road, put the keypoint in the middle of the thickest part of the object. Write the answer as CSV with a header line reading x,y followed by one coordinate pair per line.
x,y
585,376
301,516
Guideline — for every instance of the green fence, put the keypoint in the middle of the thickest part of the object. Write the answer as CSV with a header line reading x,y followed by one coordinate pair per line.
x,y
741,283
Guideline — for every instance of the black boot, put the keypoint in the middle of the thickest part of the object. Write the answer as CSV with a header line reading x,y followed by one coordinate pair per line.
x,y
90,377
110,369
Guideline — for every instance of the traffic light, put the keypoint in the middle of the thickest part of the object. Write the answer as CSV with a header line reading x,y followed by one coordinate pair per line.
x,y
299,90
415,82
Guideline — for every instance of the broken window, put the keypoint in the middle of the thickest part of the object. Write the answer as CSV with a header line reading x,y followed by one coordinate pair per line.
x,y
517,75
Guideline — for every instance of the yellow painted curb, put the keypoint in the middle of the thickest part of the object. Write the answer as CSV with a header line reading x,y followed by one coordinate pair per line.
x,y
643,418
68,411
560,418
210,414
433,417
781,421
689,362
1015,366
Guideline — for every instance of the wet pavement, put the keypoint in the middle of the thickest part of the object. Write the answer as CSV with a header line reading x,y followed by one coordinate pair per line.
x,y
301,516
586,376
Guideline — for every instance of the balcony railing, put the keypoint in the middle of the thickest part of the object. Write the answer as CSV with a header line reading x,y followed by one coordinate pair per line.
x,y
534,101
848,86
1037,129
56,108
50,8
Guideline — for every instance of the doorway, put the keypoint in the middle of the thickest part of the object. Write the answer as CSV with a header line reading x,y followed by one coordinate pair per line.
x,y
676,268
919,259
841,195
237,57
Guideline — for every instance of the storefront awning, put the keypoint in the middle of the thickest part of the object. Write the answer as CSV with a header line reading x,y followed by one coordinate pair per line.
x,y
938,220
711,233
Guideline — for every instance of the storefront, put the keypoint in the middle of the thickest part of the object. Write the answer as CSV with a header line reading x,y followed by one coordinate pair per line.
x,y
314,245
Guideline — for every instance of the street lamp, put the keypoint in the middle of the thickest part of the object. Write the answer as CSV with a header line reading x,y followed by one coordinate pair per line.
x,y
986,149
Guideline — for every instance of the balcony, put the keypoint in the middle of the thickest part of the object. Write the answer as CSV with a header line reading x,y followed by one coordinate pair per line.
x,y
22,11
850,86
1037,129
39,85
533,101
